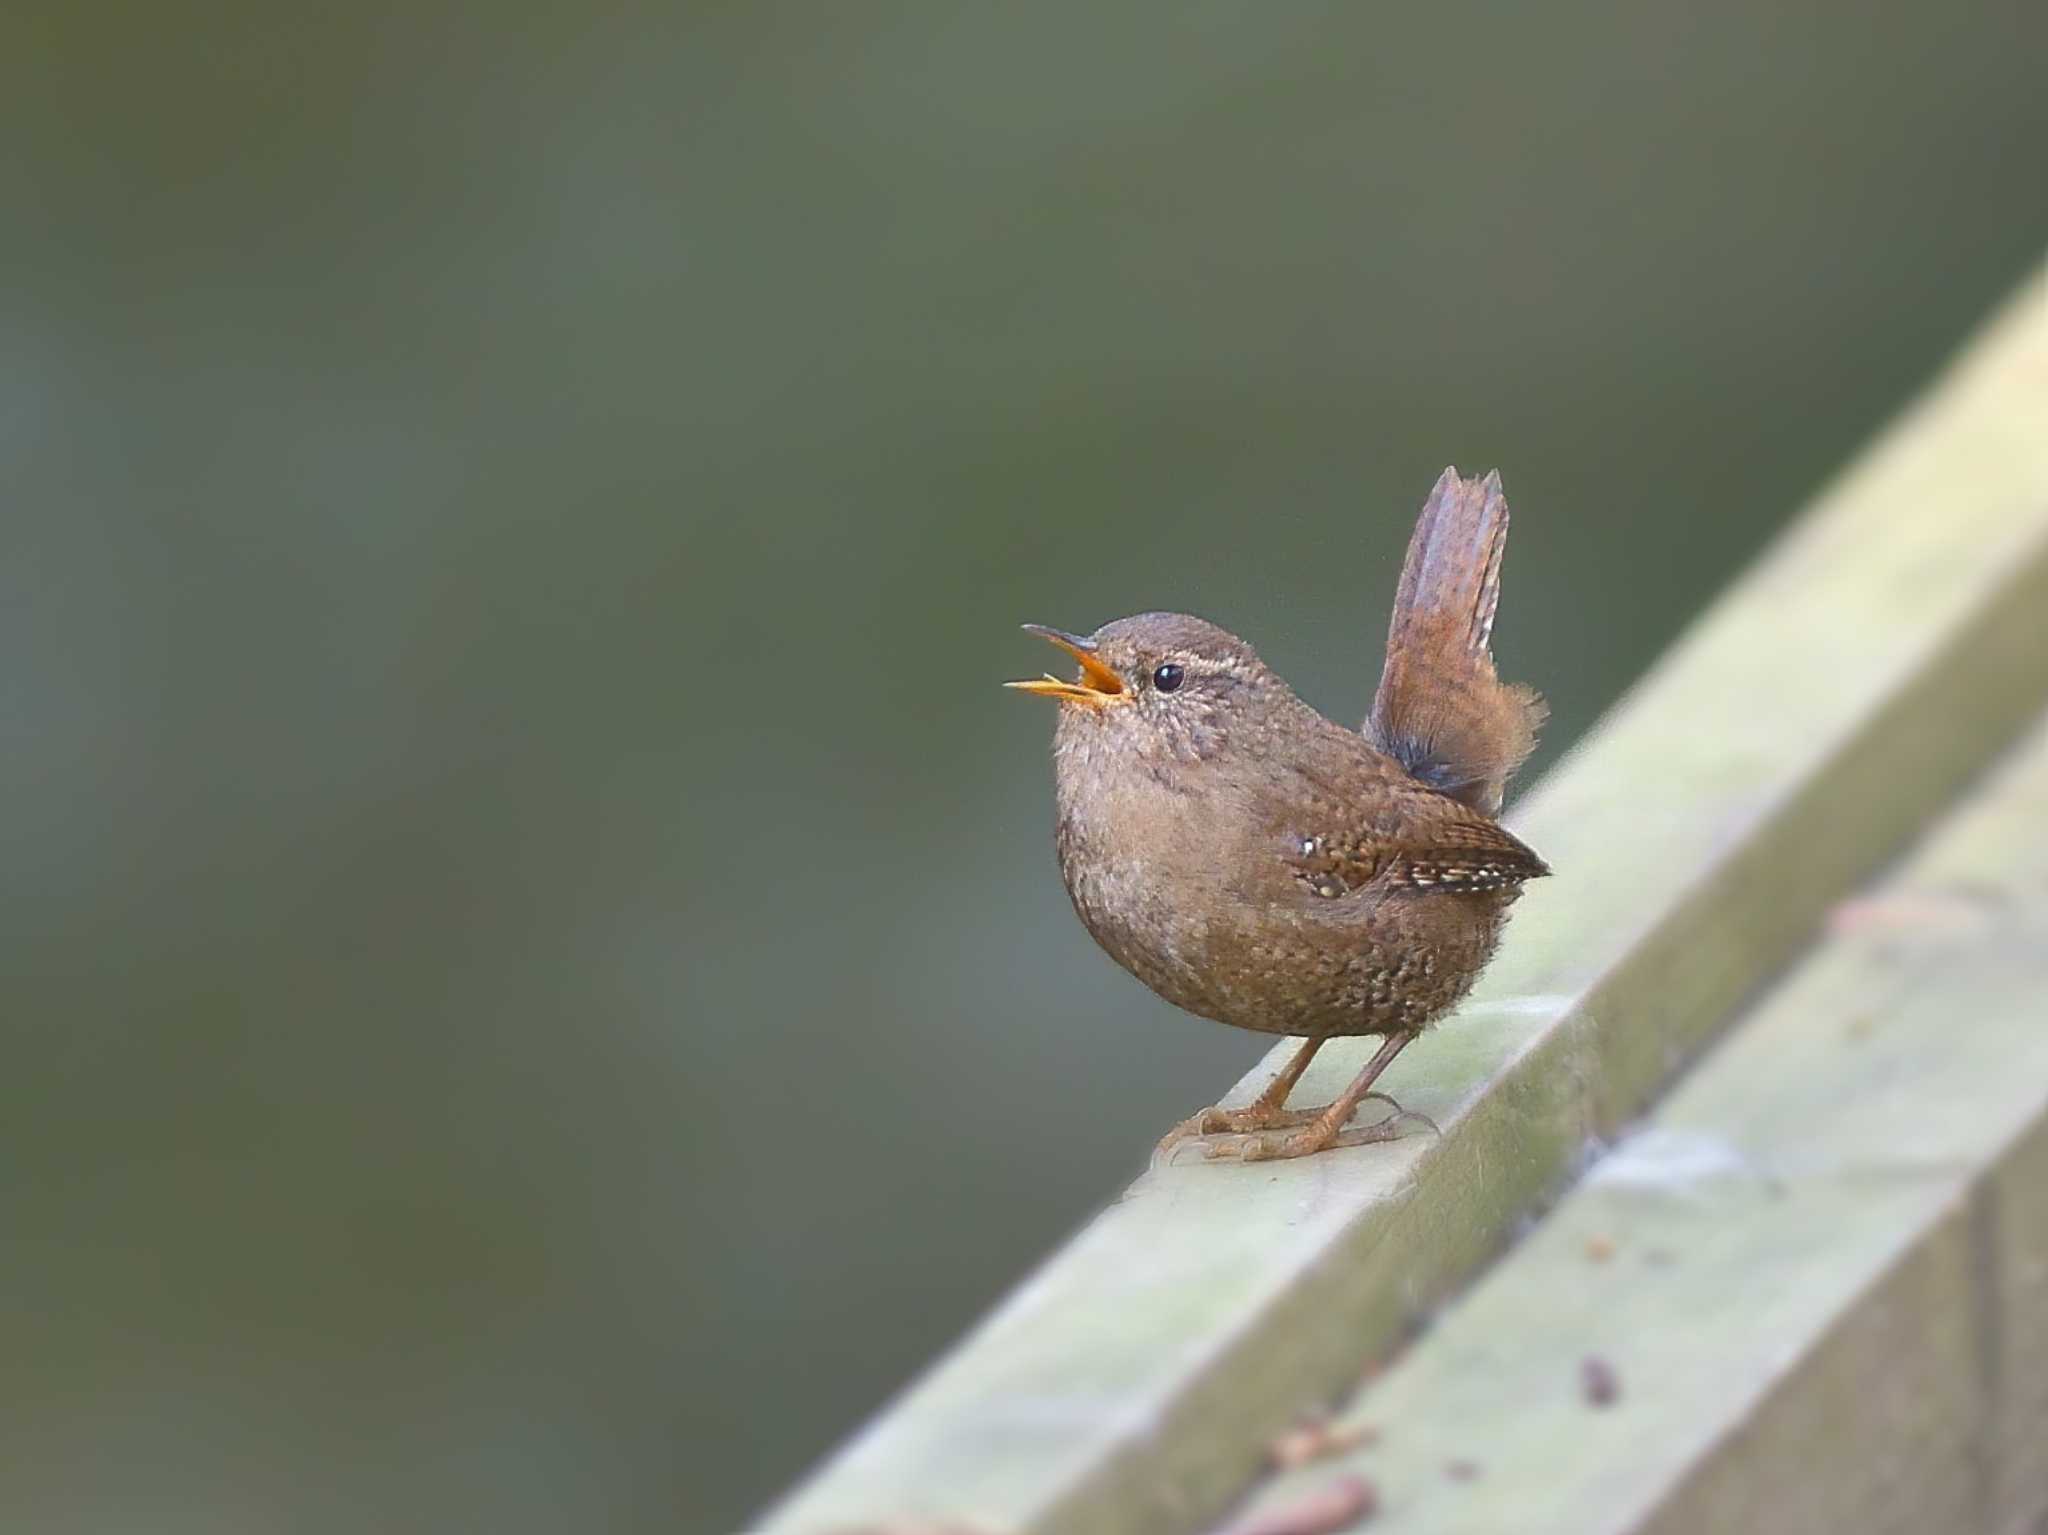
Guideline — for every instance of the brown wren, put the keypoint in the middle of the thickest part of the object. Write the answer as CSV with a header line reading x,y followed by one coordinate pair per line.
x,y
1261,865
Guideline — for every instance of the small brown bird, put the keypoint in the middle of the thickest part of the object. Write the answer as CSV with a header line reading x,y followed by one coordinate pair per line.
x,y
1256,863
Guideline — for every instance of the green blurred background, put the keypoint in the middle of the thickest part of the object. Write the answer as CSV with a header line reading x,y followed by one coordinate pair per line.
x,y
536,988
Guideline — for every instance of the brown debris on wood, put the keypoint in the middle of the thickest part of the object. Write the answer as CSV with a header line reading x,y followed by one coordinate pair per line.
x,y
1598,1381
1339,1505
1315,1438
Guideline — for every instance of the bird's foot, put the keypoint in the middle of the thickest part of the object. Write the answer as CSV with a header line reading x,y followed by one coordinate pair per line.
x,y
1245,1121
1318,1134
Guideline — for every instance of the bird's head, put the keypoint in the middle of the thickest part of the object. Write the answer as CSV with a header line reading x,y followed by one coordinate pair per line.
x,y
1157,679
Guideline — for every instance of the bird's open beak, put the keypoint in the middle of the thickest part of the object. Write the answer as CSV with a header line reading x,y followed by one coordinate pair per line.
x,y
1098,683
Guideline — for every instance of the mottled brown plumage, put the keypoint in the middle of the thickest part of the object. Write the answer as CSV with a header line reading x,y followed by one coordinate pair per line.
x,y
1256,863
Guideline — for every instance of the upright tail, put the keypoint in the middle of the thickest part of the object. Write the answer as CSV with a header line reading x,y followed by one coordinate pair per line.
x,y
1441,712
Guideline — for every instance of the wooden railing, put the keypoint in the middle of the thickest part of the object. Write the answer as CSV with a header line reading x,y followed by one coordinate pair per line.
x,y
1810,1291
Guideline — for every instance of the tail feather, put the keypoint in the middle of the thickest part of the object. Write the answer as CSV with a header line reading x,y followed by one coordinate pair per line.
x,y
1441,711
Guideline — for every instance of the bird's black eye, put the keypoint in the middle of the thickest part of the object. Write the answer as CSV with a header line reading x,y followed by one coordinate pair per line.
x,y
1168,678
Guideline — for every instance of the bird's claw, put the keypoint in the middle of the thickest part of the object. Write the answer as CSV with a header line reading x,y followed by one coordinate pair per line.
x,y
1216,1120
1269,1146
1400,1114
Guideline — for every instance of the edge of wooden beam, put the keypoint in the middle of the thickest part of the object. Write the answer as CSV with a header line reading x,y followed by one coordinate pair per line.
x,y
1816,1276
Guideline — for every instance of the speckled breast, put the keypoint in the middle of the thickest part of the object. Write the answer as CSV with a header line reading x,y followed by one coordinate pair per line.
x,y
1366,962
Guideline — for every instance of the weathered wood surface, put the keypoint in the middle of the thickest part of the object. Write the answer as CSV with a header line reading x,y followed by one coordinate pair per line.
x,y
1818,1274
1832,702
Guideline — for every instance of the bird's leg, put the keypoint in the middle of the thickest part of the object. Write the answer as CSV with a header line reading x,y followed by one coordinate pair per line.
x,y
1268,1111
1326,1129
